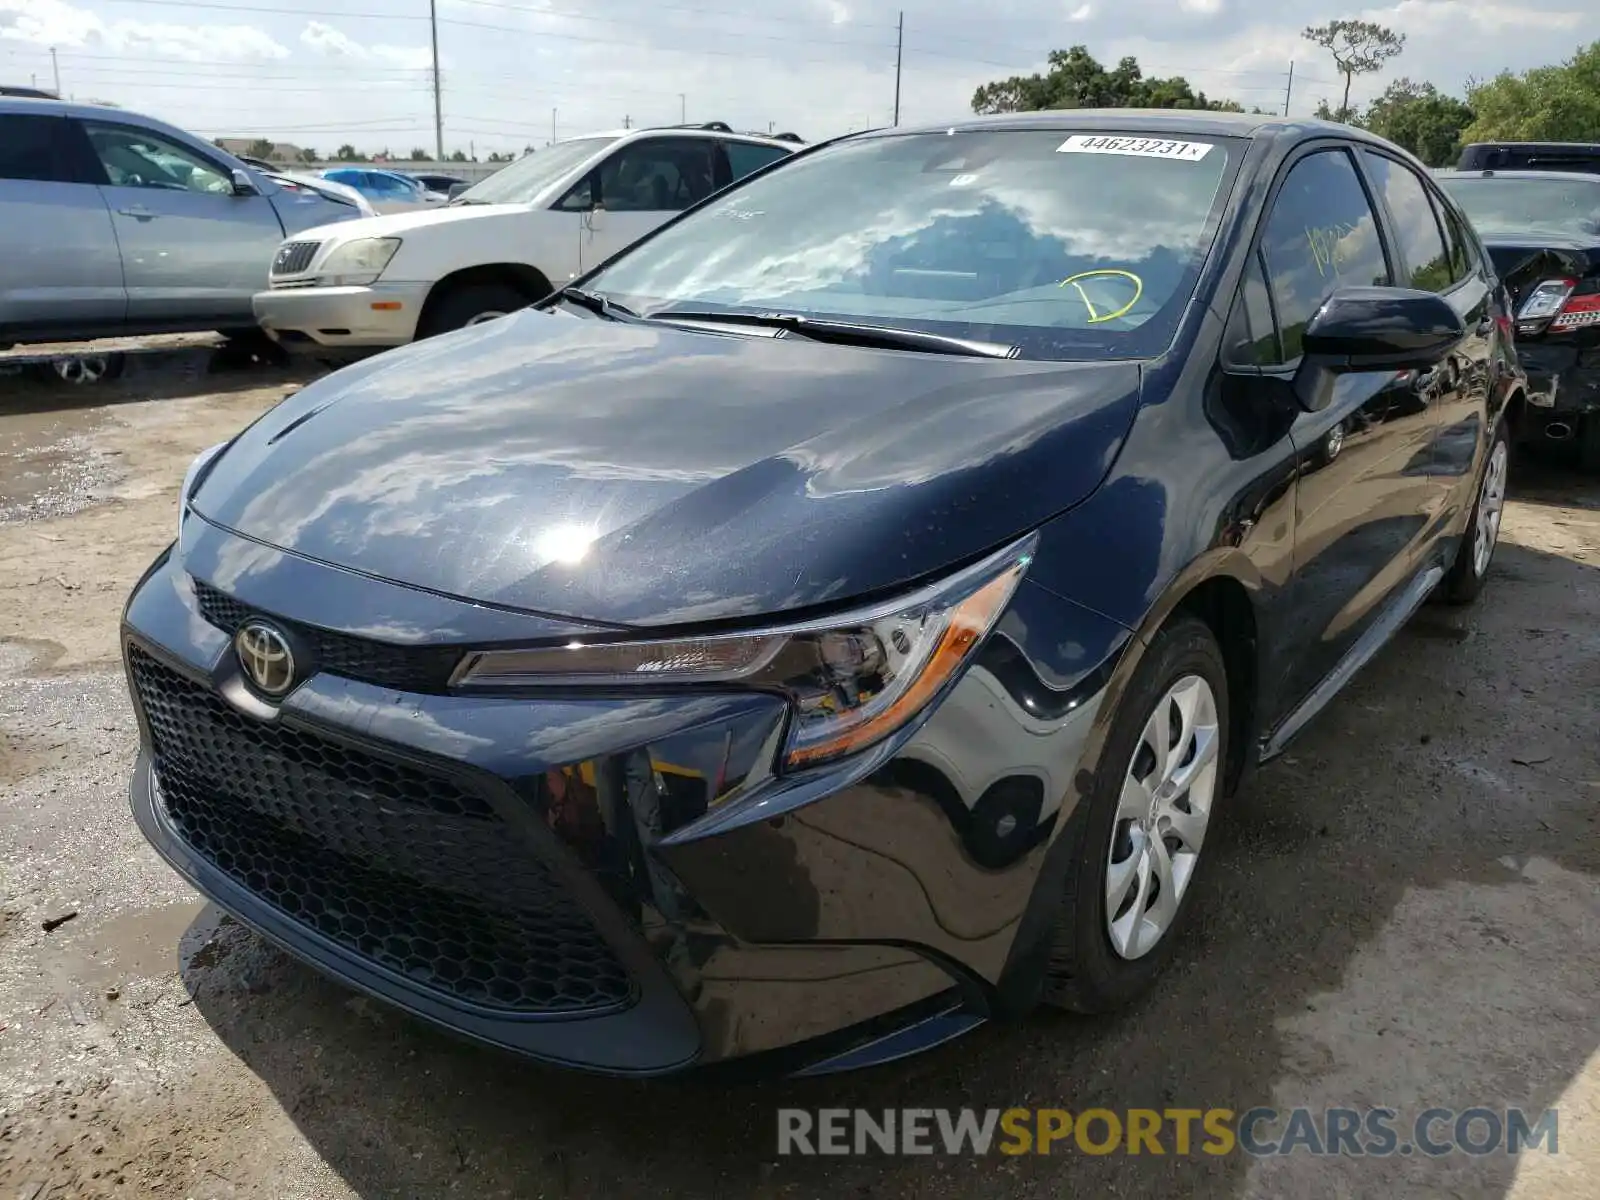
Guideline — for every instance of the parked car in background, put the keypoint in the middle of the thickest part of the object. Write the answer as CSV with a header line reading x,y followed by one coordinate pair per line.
x,y
326,188
843,616
31,93
440,183
388,191
1542,229
112,223
501,244
1530,156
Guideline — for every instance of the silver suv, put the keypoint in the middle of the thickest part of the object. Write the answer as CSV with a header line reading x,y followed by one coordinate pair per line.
x,y
113,224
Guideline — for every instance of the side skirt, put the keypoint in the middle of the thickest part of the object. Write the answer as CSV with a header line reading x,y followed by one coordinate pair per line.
x,y
1374,639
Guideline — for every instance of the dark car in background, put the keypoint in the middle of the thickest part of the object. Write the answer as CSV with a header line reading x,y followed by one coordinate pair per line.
x,y
1542,228
840,618
1530,156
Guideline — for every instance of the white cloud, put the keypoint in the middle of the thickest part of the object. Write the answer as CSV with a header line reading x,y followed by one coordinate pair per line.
x,y
1082,13
55,23
335,43
1208,7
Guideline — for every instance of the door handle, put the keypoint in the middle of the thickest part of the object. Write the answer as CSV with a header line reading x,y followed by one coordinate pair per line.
x,y
137,210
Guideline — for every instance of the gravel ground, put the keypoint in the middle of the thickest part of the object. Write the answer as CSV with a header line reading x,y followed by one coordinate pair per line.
x,y
1402,911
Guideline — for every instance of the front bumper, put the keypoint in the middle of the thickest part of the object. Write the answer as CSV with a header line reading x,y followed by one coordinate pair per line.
x,y
615,884
335,318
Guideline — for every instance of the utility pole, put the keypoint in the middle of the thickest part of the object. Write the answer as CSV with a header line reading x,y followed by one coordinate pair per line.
x,y
683,108
552,127
56,67
1288,91
899,57
627,122
438,106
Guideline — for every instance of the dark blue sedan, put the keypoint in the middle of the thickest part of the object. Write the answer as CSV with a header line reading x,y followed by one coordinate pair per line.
x,y
842,618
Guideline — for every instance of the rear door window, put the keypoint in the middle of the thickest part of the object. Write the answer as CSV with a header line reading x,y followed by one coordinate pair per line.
x,y
31,148
1322,234
1416,226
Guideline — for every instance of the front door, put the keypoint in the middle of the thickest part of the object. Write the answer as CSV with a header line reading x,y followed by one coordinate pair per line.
x,y
1366,498
639,187
192,250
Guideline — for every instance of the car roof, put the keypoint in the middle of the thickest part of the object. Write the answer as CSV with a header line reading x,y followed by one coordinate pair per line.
x,y
682,131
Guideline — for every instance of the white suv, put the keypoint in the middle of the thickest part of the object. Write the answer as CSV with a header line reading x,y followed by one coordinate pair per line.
x,y
503,244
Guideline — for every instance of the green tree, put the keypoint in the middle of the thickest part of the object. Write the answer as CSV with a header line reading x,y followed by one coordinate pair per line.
x,y
458,156
261,148
308,155
1422,119
1076,80
348,153
1547,104
418,154
1358,48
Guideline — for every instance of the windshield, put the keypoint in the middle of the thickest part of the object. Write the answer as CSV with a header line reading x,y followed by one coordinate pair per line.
x,y
523,180
1517,205
1066,246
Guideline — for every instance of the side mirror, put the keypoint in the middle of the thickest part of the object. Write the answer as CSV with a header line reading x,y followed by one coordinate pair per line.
x,y
243,185
1372,329
597,218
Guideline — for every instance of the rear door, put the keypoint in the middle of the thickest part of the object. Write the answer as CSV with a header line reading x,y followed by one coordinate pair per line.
x,y
1365,500
59,264
192,250
637,188
1434,257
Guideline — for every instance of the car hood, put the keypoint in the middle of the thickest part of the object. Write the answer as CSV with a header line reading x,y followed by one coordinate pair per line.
x,y
399,224
644,474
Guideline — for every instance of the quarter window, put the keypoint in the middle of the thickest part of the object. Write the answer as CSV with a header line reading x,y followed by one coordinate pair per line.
x,y
746,157
1416,228
1252,334
1322,235
135,158
1461,255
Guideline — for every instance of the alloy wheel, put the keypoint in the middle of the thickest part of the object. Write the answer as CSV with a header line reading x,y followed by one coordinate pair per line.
x,y
1491,504
1166,804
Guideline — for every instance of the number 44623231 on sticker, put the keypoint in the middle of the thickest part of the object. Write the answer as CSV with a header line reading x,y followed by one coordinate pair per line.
x,y
1136,146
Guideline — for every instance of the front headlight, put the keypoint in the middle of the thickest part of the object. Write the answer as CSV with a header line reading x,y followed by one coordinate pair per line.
x,y
358,262
851,680
193,477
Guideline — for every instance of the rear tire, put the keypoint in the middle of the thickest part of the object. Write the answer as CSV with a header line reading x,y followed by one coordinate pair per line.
x,y
1118,925
471,305
1476,553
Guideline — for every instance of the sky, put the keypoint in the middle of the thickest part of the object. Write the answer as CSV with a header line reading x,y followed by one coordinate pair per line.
x,y
322,72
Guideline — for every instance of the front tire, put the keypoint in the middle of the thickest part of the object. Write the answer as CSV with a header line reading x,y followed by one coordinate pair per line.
x,y
471,305
1140,832
1476,552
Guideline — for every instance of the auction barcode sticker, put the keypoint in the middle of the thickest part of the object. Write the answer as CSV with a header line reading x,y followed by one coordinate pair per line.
x,y
1088,143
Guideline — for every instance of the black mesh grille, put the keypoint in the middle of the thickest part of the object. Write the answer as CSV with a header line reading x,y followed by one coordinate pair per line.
x,y
395,862
294,257
406,668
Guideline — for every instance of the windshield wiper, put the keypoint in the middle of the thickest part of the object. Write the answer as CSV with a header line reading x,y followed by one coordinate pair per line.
x,y
845,333
596,302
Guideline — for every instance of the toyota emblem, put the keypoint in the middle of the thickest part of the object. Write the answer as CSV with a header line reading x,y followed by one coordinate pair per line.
x,y
265,656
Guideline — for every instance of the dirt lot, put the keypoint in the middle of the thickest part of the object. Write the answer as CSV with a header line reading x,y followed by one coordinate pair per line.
x,y
1403,911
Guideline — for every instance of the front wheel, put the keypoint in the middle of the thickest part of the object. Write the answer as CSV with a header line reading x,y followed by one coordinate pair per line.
x,y
1476,552
472,305
1140,832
